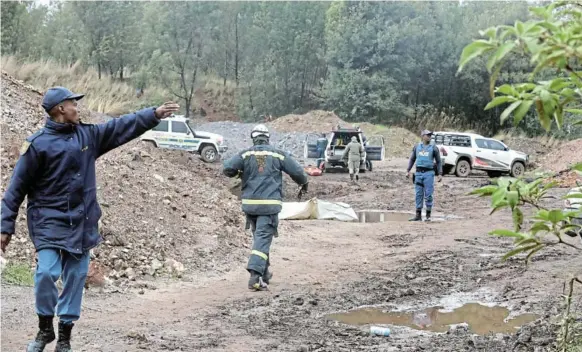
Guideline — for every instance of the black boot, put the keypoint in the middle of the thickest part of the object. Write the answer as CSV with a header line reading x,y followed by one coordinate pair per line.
x,y
427,215
418,216
64,341
256,282
357,177
45,335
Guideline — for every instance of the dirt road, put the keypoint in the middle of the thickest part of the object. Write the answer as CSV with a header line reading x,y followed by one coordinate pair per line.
x,y
323,267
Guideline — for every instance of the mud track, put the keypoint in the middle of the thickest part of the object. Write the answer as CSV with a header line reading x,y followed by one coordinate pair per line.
x,y
324,267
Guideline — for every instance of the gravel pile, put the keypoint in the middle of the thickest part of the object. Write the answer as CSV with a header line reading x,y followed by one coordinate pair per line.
x,y
237,137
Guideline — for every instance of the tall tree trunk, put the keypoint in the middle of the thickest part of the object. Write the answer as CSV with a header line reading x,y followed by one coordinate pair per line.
x,y
236,50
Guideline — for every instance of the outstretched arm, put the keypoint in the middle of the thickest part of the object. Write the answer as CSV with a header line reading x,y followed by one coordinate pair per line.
x,y
117,132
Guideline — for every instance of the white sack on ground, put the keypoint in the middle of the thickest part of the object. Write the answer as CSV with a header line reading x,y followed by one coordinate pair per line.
x,y
318,210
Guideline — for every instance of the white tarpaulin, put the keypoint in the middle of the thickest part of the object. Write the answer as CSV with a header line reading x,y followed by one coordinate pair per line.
x,y
318,210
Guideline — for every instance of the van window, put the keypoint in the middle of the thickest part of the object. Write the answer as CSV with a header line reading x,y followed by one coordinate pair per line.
x,y
342,139
179,127
161,127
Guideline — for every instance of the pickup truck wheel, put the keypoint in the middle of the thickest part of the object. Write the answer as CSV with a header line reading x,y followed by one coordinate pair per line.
x,y
517,169
209,154
463,168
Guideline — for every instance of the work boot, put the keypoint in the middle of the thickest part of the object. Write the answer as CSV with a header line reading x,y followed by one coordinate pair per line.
x,y
45,335
427,215
268,276
256,282
352,177
357,177
64,341
418,216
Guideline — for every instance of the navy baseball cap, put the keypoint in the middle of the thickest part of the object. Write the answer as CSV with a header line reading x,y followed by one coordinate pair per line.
x,y
426,133
56,95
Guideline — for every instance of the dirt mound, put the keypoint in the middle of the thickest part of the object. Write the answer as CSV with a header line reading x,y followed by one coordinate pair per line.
x,y
536,148
563,156
398,141
314,121
163,211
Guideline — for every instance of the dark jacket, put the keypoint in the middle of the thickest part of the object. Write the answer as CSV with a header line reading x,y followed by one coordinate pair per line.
x,y
261,168
56,169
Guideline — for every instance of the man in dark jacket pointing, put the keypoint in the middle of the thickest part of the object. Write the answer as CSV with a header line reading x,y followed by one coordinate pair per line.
x,y
56,170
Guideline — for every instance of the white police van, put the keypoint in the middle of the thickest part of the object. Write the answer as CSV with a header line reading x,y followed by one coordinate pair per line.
x,y
175,132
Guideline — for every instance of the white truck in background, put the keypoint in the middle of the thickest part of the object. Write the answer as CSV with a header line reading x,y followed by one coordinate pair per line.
x,y
463,152
175,132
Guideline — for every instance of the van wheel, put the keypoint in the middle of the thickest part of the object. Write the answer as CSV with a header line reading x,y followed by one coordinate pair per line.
x,y
463,168
517,169
209,154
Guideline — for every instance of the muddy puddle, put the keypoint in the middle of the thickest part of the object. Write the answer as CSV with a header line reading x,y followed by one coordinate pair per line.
x,y
480,319
373,216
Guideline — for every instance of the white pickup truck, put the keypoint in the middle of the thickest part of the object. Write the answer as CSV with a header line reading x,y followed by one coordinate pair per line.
x,y
575,205
175,132
463,152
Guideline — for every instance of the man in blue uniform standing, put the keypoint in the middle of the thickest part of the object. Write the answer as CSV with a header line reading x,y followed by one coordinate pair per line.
x,y
261,168
425,155
56,170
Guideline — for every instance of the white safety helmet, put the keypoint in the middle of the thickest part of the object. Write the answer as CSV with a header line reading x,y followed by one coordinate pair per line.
x,y
260,130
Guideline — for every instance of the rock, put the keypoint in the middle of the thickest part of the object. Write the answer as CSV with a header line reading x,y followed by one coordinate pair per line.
x,y
155,266
298,301
129,273
159,178
174,267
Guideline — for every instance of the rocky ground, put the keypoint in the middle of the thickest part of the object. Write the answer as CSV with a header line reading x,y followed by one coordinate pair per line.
x,y
322,268
171,270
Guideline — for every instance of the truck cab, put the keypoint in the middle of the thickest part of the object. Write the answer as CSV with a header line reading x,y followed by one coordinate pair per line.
x,y
176,132
337,140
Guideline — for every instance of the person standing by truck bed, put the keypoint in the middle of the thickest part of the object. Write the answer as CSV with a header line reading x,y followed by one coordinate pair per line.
x,y
321,147
354,153
424,154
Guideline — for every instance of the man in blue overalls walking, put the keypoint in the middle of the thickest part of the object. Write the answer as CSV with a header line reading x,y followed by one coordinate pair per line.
x,y
425,155
56,170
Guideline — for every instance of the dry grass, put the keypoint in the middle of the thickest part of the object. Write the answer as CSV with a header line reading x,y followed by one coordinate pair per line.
x,y
105,95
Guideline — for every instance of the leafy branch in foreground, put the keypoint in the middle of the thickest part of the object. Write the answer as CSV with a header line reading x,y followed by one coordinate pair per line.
x,y
549,226
554,41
